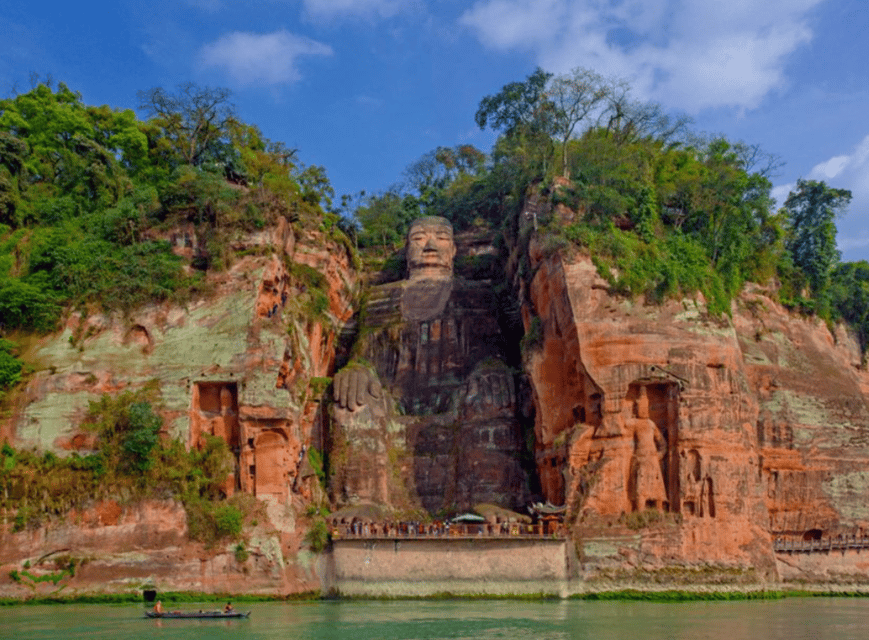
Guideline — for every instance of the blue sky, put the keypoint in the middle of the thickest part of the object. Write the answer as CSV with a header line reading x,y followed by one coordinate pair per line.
x,y
365,87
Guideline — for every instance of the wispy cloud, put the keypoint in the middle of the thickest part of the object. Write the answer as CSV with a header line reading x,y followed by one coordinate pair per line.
x,y
688,54
327,9
850,171
260,59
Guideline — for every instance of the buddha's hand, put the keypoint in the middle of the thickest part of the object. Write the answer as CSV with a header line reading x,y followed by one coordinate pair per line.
x,y
490,389
355,386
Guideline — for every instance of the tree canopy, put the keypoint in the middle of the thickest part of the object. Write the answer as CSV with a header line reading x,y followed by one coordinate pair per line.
x,y
669,210
85,193
811,211
194,120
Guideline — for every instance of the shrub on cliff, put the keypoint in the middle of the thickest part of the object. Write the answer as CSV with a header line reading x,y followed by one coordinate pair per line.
x,y
10,366
127,428
209,522
317,538
131,463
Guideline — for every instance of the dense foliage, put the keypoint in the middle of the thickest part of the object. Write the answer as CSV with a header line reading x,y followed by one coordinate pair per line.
x,y
662,211
130,459
87,195
10,366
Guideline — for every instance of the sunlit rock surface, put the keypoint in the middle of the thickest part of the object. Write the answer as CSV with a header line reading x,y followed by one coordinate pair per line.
x,y
245,363
759,422
686,449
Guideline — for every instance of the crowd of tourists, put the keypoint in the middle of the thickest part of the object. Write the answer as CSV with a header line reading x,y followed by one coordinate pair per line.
x,y
364,529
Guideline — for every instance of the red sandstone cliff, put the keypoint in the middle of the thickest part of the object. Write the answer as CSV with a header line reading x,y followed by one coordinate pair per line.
x,y
682,445
240,364
687,442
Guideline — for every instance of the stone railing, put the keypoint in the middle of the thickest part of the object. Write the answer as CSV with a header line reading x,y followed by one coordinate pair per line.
x,y
825,545
371,530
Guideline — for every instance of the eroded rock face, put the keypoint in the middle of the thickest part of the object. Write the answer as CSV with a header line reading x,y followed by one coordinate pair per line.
x,y
118,548
434,422
726,433
672,438
813,420
242,364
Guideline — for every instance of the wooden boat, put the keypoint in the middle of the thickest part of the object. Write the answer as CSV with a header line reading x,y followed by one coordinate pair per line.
x,y
219,615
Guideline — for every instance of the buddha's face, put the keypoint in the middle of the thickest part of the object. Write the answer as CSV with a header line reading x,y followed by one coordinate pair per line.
x,y
430,248
642,406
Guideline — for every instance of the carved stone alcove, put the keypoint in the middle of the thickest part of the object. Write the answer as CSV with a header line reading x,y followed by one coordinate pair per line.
x,y
214,412
650,417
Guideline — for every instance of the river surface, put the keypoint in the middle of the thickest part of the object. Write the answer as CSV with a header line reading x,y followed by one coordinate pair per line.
x,y
790,619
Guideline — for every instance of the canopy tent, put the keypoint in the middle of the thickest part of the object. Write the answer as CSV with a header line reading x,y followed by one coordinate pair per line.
x,y
494,513
468,518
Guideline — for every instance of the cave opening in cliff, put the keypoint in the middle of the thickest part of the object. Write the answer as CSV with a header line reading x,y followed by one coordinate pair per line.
x,y
214,411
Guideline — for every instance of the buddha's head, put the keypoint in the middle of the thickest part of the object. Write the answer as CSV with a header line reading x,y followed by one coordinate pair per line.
x,y
642,404
430,248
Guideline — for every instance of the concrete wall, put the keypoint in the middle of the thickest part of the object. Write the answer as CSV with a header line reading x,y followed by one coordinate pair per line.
x,y
424,567
839,567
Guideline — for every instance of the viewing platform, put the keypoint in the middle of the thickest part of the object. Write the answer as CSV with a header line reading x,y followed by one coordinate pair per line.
x,y
822,545
444,531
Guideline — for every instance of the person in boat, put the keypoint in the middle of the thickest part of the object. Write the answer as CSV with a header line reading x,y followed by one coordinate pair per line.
x,y
228,608
158,607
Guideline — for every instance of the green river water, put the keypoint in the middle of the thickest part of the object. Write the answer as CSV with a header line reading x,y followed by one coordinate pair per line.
x,y
789,619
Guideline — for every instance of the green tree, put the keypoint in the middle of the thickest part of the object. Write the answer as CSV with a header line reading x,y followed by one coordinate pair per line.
x,y
384,218
128,429
27,305
518,106
13,152
437,175
195,120
10,366
811,211
62,157
849,296
628,119
315,187
525,114
574,96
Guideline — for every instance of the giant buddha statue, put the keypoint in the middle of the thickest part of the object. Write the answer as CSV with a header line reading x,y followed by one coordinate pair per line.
x,y
425,413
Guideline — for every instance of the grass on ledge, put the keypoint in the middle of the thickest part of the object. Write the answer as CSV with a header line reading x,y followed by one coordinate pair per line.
x,y
167,597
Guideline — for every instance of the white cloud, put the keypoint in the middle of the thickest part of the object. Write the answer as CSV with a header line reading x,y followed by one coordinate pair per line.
x,y
781,192
831,168
260,59
687,54
850,172
507,24
325,9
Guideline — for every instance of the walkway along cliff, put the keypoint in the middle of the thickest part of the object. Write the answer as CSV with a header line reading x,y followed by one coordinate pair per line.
x,y
688,450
